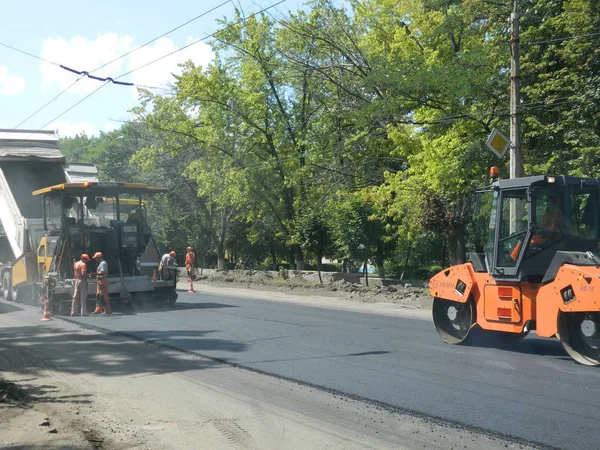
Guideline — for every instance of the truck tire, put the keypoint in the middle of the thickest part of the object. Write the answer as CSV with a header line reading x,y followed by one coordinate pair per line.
x,y
6,288
14,295
22,295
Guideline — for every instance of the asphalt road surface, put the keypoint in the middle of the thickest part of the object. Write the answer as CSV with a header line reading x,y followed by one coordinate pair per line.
x,y
533,392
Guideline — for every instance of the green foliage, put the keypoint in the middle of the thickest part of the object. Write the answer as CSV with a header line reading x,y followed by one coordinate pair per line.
x,y
561,87
356,129
74,147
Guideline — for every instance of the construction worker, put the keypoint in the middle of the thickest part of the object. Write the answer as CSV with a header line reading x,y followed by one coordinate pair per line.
x,y
166,260
190,261
81,286
102,300
550,228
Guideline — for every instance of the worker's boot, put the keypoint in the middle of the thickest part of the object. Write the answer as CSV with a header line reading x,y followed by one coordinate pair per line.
x,y
107,308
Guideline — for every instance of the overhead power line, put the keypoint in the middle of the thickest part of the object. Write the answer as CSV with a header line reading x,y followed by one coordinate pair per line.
x,y
87,74
73,106
202,39
93,77
238,22
162,35
27,53
83,73
46,104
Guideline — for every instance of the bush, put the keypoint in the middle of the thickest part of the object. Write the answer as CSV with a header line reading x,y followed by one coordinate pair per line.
x,y
283,273
324,267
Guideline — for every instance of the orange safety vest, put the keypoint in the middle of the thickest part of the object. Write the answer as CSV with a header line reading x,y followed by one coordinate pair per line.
x,y
190,259
80,270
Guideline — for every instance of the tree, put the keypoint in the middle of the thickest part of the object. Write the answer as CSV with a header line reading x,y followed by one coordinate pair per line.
x,y
443,81
357,230
314,234
207,205
375,110
74,147
561,87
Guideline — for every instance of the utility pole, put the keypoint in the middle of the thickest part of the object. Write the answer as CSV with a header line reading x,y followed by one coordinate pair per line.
x,y
516,158
517,207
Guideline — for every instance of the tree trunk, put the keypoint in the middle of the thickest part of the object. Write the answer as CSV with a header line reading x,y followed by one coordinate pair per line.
x,y
345,265
379,260
444,253
220,258
480,246
406,260
461,245
366,274
298,257
456,245
319,264
273,258
291,258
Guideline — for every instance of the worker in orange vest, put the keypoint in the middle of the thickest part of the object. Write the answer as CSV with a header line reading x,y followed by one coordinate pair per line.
x,y
81,286
102,300
166,260
190,261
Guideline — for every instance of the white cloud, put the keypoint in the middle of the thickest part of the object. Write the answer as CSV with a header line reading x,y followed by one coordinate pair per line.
x,y
80,54
159,73
10,84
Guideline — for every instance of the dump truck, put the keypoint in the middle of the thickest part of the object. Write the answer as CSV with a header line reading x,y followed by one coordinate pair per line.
x,y
540,269
29,160
49,216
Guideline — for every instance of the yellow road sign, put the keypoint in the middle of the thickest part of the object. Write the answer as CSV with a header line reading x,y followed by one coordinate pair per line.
x,y
498,143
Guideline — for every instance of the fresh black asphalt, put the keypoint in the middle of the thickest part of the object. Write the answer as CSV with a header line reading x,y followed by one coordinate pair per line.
x,y
531,391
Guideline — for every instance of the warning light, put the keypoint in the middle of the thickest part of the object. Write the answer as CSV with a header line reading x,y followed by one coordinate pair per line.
x,y
551,179
494,172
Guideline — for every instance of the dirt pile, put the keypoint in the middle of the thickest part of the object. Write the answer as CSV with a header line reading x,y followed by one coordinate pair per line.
x,y
37,418
413,295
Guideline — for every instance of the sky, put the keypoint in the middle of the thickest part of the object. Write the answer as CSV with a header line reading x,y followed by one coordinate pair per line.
x,y
84,35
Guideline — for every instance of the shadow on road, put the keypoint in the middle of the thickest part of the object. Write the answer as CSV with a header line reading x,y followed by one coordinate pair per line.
x,y
204,305
530,345
176,307
8,308
332,356
189,340
30,350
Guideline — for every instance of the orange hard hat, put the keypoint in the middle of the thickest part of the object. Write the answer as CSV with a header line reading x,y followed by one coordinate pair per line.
x,y
85,256
173,254
98,255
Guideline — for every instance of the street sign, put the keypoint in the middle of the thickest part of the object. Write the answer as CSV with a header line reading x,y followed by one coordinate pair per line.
x,y
498,143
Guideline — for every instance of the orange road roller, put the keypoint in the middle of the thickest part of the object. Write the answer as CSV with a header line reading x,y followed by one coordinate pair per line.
x,y
540,270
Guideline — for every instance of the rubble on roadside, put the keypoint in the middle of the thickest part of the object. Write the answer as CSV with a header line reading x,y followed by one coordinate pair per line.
x,y
413,293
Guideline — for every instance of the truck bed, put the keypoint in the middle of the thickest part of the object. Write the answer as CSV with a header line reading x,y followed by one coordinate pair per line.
x,y
24,177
